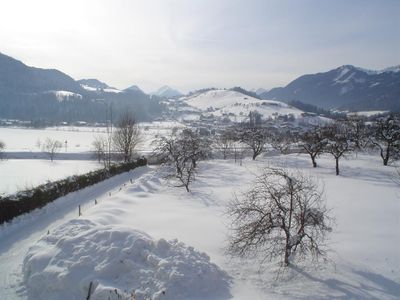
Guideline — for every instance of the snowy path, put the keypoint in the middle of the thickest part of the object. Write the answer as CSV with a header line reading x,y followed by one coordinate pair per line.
x,y
16,238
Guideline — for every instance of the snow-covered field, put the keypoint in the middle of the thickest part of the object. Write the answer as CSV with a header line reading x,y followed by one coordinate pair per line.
x,y
21,174
365,243
79,139
26,165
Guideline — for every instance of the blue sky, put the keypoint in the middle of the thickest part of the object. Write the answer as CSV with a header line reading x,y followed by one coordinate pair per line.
x,y
195,44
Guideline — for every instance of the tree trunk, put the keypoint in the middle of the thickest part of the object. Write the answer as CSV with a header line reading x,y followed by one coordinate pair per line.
x,y
287,255
337,165
386,157
314,163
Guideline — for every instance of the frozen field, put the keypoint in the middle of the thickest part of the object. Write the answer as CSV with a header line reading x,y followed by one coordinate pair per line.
x,y
365,243
21,174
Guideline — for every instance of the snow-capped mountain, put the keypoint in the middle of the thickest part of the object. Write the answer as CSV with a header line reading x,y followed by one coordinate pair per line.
x,y
167,92
346,87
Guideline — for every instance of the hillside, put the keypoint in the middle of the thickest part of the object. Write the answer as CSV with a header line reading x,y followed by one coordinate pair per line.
x,y
346,87
238,106
16,77
45,96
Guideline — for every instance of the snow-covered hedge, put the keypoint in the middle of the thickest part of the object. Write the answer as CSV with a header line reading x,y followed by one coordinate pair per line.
x,y
86,260
26,201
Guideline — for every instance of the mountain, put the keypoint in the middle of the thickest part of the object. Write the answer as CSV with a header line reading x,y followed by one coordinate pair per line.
x,y
134,88
16,77
259,91
167,92
43,96
346,87
93,83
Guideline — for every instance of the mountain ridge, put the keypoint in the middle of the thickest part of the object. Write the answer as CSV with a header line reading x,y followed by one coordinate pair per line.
x,y
346,87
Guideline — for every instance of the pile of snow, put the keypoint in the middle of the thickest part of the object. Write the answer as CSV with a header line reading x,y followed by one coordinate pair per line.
x,y
118,263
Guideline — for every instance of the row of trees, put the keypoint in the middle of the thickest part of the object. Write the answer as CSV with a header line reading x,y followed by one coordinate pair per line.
x,y
353,135
337,138
183,149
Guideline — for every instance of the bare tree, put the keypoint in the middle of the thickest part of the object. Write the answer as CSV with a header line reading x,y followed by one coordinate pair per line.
x,y
51,147
385,135
281,141
170,151
224,142
2,147
339,140
359,132
126,137
281,215
99,145
194,146
182,151
313,142
255,138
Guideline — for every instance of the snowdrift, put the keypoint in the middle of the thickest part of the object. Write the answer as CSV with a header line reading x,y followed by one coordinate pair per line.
x,y
118,263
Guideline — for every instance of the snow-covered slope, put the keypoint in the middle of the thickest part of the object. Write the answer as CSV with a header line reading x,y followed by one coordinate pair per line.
x,y
66,95
94,85
228,102
364,242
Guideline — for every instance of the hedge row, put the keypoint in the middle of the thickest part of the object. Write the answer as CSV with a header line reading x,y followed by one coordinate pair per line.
x,y
25,201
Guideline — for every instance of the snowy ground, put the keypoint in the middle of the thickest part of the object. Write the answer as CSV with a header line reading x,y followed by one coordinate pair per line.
x,y
365,243
22,174
79,139
26,165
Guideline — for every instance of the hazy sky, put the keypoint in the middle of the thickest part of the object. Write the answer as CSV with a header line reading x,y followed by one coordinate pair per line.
x,y
195,44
